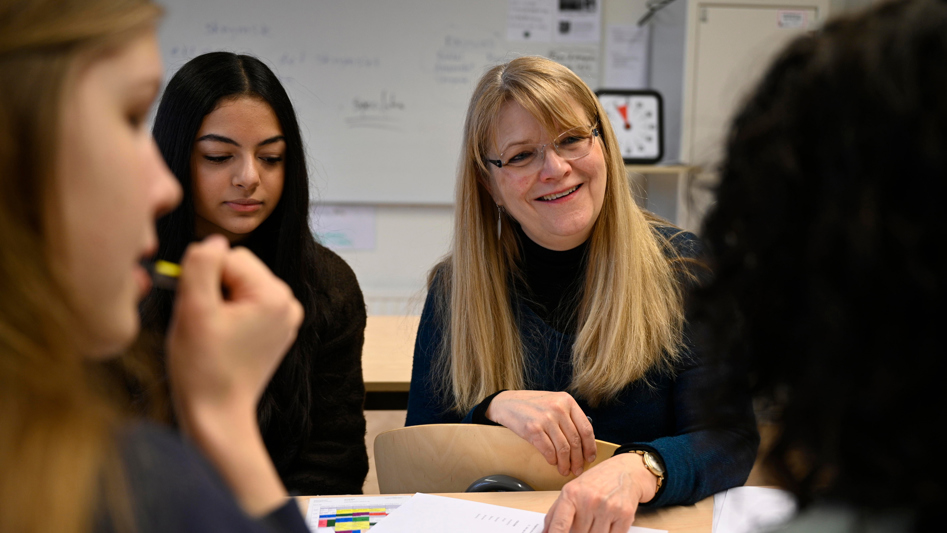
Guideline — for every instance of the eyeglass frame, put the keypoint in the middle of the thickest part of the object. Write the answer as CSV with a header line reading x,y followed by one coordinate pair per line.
x,y
555,146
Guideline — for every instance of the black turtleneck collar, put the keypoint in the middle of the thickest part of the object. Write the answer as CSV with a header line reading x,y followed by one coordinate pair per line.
x,y
553,281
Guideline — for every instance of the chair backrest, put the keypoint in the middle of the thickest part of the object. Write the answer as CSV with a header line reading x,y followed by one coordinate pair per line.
x,y
449,457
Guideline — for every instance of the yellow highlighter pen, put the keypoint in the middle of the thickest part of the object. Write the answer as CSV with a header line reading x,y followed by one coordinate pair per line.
x,y
164,274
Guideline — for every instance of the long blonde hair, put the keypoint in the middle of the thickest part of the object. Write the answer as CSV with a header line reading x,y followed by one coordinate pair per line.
x,y
631,315
56,425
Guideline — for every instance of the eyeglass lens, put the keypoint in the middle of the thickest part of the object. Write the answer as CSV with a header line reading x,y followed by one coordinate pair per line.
x,y
570,144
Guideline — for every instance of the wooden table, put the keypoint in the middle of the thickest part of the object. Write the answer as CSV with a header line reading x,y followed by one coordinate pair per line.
x,y
388,352
386,360
696,518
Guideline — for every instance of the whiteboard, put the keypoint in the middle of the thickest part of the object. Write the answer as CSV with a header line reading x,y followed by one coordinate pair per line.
x,y
380,86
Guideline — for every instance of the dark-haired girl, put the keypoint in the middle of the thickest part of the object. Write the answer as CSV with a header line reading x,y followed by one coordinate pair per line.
x,y
228,131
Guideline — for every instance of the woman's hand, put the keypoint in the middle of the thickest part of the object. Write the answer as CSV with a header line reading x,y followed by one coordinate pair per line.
x,y
552,422
222,352
604,499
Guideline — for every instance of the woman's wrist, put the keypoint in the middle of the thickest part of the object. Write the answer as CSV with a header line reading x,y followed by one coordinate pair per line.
x,y
651,460
483,414
644,480
216,422
201,413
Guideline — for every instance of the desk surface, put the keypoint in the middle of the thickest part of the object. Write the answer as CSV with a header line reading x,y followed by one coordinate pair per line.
x,y
388,352
696,518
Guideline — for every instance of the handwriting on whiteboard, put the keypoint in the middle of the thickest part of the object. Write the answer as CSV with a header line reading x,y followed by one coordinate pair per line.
x,y
236,30
385,112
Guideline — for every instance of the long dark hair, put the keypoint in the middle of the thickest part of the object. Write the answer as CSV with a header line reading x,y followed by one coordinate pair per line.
x,y
283,241
827,244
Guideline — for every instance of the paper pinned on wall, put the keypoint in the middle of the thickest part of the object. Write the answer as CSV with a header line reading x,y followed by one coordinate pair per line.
x,y
583,63
578,21
530,20
627,53
343,227
561,21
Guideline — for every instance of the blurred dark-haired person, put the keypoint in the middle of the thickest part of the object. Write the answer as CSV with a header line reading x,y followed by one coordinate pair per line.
x,y
827,243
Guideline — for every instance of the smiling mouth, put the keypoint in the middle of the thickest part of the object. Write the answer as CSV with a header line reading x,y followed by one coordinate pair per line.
x,y
556,196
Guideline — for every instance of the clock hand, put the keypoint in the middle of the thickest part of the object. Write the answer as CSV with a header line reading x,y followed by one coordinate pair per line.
x,y
623,111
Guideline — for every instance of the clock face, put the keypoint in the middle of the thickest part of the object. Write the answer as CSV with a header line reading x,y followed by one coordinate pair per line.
x,y
636,118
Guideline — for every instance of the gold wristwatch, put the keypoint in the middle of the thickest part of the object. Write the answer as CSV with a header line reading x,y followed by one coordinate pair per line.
x,y
653,464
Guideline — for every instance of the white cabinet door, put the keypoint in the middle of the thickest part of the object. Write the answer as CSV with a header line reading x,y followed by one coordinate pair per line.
x,y
729,47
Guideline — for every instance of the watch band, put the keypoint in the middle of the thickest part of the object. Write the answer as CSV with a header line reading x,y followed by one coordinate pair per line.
x,y
653,465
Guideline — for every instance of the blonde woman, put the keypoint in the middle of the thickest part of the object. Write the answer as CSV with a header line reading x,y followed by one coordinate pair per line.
x,y
84,183
559,312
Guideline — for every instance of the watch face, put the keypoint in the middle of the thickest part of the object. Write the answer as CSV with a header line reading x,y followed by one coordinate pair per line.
x,y
636,118
653,464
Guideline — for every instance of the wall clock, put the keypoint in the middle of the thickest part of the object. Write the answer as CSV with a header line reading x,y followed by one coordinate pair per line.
x,y
637,118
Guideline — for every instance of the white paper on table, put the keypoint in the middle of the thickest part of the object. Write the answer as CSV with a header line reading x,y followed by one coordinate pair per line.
x,y
627,49
751,509
530,20
317,505
426,512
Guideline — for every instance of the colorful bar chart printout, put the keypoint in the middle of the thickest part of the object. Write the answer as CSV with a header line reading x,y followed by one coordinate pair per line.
x,y
351,514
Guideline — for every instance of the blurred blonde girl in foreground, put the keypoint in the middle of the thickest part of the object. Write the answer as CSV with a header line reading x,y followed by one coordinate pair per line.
x,y
84,182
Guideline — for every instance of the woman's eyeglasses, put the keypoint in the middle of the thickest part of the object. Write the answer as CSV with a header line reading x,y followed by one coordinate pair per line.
x,y
570,145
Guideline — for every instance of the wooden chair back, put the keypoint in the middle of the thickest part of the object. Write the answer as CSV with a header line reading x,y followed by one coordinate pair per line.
x,y
449,457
